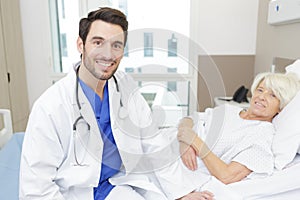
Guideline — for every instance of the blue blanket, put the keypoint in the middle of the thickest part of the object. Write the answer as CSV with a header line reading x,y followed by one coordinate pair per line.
x,y
9,167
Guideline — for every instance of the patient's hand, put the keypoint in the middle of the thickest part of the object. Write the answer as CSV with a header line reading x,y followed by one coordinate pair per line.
x,y
186,135
205,195
186,122
188,156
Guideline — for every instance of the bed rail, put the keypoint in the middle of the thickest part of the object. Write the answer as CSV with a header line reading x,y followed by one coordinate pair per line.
x,y
7,131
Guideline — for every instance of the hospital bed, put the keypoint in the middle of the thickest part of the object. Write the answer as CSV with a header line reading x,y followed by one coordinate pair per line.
x,y
284,183
6,131
10,152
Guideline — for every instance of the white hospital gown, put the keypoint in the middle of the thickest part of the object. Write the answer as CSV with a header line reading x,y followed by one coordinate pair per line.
x,y
232,138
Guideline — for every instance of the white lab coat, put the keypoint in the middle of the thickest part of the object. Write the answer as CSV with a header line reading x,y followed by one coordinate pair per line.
x,y
48,168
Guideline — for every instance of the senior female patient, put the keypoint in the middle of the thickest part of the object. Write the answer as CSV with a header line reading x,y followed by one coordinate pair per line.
x,y
243,145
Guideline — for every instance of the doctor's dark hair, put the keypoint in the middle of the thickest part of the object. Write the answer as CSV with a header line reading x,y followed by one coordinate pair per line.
x,y
106,14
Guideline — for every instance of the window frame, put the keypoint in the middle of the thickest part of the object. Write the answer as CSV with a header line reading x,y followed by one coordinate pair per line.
x,y
191,76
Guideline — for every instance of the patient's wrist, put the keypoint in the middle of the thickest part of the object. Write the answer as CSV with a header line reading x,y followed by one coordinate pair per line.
x,y
200,147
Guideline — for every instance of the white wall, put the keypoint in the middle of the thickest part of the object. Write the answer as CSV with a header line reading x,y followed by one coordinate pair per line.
x,y
274,41
37,46
225,27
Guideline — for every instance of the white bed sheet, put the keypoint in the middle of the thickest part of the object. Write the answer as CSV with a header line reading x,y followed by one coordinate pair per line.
x,y
283,184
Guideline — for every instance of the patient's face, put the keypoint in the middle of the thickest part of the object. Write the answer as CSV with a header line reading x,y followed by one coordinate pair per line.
x,y
264,104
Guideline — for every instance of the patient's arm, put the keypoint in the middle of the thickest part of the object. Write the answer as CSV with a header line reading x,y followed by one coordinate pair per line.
x,y
187,153
227,173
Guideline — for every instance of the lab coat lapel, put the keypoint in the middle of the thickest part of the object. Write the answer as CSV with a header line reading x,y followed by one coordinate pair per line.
x,y
129,146
95,143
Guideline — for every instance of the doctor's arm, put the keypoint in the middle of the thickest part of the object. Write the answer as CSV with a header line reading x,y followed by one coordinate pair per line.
x,y
40,159
226,173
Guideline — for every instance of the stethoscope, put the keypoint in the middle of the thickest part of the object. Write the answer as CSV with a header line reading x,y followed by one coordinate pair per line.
x,y
123,113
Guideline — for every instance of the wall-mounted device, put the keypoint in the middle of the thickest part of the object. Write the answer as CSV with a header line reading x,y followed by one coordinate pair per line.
x,y
283,12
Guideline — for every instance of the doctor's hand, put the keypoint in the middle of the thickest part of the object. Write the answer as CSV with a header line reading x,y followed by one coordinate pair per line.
x,y
204,195
188,156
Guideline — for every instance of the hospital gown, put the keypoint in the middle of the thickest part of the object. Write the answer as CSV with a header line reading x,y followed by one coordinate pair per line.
x,y
232,138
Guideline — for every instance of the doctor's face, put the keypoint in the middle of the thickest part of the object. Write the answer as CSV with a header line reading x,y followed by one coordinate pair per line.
x,y
103,49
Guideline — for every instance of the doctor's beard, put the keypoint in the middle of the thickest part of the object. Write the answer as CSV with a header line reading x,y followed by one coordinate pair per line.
x,y
91,65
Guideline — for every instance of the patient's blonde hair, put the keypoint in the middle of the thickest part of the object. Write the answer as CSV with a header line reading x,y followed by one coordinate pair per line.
x,y
284,86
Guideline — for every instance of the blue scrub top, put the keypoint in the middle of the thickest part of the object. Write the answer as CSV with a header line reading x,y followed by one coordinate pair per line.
x,y
111,160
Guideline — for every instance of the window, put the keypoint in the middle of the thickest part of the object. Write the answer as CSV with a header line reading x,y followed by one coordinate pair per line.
x,y
149,97
169,105
172,70
63,13
172,85
126,53
172,46
156,53
148,44
123,6
64,17
64,48
129,70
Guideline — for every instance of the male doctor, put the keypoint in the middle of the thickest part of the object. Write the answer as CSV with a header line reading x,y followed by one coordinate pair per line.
x,y
90,125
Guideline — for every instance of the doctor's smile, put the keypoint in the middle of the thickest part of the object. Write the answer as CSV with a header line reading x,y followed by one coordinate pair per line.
x,y
110,131
91,141
105,65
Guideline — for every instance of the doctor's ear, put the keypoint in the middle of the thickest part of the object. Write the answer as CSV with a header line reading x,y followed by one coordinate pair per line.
x,y
80,45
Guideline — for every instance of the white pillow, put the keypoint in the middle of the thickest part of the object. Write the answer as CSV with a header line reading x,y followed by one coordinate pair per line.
x,y
286,141
295,67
